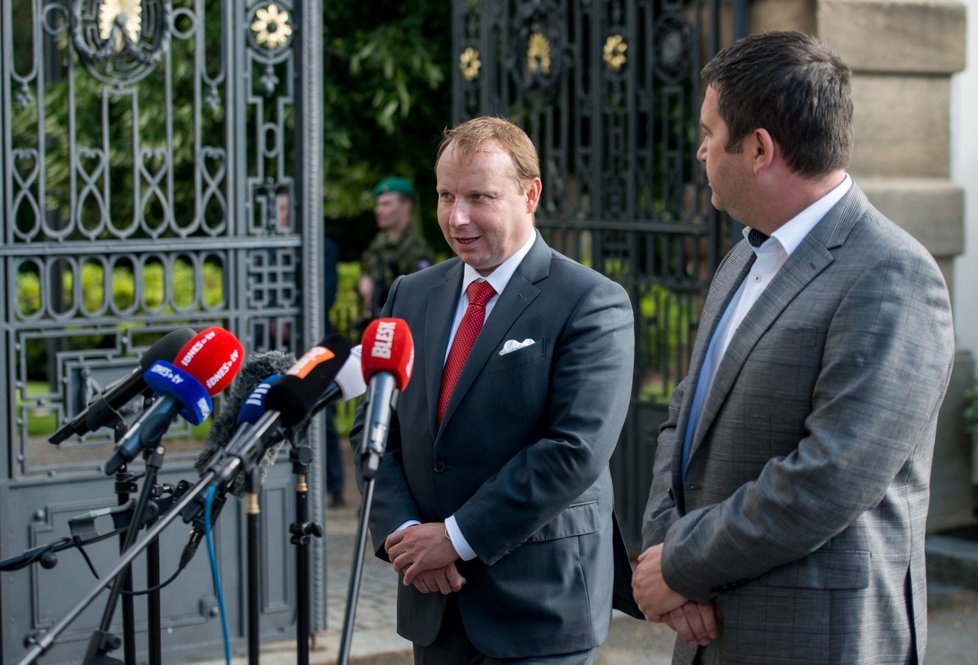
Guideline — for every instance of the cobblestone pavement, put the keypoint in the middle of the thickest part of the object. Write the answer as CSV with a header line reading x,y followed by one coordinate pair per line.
x,y
375,612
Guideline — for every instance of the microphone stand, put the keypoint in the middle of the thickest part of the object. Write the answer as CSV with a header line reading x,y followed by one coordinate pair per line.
x,y
154,608
253,511
369,470
43,641
301,455
102,641
124,484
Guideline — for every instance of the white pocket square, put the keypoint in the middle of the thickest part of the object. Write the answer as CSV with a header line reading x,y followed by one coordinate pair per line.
x,y
512,345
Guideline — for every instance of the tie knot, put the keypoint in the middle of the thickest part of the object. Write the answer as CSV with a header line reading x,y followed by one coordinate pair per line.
x,y
479,293
756,238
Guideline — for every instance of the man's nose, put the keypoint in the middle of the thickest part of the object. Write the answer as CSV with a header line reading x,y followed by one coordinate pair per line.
x,y
459,215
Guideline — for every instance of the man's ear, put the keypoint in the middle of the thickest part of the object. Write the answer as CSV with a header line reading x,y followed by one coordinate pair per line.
x,y
761,146
533,191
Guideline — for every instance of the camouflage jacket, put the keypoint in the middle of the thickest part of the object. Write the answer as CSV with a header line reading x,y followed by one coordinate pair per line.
x,y
385,260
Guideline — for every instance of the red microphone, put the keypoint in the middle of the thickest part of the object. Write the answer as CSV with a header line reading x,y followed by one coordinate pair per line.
x,y
387,359
202,368
213,357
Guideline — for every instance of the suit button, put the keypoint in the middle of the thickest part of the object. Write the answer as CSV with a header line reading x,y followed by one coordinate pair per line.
x,y
439,466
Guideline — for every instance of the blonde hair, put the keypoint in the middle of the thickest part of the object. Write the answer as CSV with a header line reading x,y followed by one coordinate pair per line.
x,y
476,134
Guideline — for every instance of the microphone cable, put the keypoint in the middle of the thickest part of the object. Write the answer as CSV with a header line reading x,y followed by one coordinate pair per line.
x,y
215,573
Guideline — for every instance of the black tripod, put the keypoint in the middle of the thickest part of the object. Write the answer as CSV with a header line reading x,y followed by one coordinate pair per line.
x,y
302,530
102,641
43,641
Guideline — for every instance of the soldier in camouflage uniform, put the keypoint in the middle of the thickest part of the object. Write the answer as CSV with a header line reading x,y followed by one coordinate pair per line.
x,y
396,250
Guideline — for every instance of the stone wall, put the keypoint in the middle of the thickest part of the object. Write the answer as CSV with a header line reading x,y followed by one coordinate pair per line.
x,y
903,53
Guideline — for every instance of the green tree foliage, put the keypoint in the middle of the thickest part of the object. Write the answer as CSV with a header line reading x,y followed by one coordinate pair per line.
x,y
387,100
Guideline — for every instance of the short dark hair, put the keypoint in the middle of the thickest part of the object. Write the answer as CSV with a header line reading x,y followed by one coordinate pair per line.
x,y
796,88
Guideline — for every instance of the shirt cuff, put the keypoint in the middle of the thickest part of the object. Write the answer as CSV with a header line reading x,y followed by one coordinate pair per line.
x,y
406,525
461,545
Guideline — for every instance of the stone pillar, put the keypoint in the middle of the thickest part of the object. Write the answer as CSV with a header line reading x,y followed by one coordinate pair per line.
x,y
903,53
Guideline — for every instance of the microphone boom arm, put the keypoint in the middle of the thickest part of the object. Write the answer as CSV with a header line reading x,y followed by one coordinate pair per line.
x,y
43,641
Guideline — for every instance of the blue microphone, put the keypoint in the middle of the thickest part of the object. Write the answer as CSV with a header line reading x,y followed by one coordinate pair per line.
x,y
254,407
180,393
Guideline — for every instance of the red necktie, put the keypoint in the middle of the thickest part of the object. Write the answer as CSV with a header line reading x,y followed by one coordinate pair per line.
x,y
479,294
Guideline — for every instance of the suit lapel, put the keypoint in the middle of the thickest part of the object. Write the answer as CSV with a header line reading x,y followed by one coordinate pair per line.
x,y
730,274
811,257
518,294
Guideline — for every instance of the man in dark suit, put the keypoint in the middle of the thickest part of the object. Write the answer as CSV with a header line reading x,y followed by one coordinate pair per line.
x,y
494,497
785,522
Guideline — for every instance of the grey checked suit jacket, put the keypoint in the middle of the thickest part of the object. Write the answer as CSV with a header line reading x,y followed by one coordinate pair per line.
x,y
802,512
521,458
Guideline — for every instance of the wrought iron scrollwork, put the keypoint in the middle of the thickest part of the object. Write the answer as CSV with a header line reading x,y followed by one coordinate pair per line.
x,y
537,28
120,41
672,41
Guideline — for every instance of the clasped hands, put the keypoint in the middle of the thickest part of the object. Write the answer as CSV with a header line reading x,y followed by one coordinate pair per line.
x,y
425,558
694,622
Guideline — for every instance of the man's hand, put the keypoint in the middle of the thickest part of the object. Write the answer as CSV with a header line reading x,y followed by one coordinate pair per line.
x,y
443,580
420,548
653,595
695,623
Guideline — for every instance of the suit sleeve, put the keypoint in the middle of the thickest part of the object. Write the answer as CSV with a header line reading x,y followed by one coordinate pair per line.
x,y
590,388
661,510
885,365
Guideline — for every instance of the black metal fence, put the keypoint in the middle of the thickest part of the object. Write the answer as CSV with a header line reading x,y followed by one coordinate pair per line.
x,y
610,93
153,176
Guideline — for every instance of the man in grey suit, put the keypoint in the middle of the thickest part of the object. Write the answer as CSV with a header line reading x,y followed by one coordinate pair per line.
x,y
785,522
494,497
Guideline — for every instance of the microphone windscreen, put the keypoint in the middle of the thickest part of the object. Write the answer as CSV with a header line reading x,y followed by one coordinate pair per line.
x,y
214,356
168,379
350,378
297,393
388,347
167,347
253,372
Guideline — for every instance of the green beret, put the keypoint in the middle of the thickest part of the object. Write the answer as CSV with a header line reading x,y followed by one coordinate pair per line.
x,y
396,184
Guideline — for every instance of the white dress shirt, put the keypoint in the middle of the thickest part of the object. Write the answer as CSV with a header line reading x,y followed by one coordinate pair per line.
x,y
770,256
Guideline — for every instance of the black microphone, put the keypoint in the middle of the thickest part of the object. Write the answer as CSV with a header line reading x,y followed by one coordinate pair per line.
x,y
388,360
84,526
347,385
298,396
237,412
288,404
102,410
205,366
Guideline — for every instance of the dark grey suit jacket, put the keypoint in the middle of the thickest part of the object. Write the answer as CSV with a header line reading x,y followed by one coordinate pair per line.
x,y
521,458
803,508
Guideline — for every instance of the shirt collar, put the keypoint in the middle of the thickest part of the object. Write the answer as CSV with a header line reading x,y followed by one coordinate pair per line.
x,y
500,277
790,234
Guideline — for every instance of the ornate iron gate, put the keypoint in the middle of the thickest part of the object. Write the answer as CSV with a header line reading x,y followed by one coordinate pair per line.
x,y
610,94
158,171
